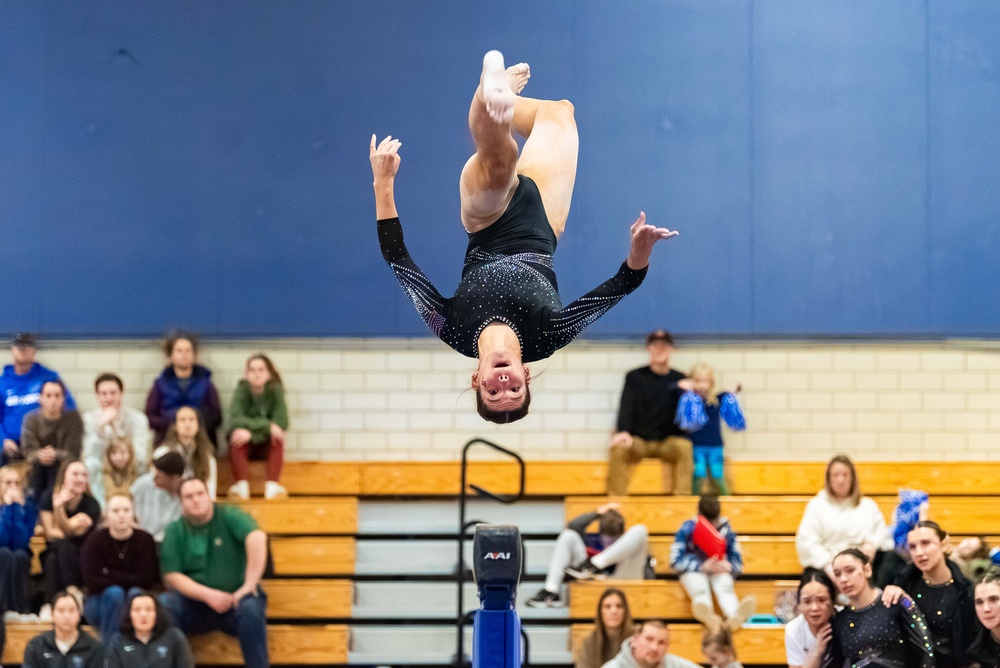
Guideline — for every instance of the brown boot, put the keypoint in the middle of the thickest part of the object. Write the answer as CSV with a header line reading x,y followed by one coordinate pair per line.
x,y
706,615
748,605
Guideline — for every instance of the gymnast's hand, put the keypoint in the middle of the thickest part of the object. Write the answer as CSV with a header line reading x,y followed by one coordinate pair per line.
x,y
385,159
643,238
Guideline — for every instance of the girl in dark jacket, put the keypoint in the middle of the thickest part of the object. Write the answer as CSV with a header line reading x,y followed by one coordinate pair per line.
x,y
986,648
147,640
942,592
66,645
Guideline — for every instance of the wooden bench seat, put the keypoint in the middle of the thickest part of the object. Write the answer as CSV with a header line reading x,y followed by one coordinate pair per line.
x,y
302,478
778,516
589,477
877,478
754,646
664,598
313,555
309,599
307,515
295,645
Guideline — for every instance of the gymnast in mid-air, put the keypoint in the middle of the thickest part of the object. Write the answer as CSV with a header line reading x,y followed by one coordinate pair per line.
x,y
506,310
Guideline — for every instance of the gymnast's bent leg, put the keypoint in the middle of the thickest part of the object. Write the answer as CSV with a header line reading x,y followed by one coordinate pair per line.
x,y
489,179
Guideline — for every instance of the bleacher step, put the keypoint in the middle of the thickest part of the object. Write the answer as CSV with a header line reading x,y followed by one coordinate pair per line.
x,y
434,556
424,517
410,645
433,600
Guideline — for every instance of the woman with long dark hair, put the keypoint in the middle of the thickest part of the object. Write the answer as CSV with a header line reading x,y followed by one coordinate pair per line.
x,y
807,636
869,633
146,639
942,592
612,625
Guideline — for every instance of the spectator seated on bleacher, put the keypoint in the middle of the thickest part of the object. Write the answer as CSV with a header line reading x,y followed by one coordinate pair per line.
x,y
212,560
256,422
868,633
612,625
119,471
17,525
183,383
156,495
50,435
66,644
68,514
587,556
808,634
986,648
718,649
112,421
189,438
117,562
146,639
706,553
646,426
649,647
839,517
20,387
942,592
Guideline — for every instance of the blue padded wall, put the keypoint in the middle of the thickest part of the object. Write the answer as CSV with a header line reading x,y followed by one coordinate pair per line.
x,y
832,167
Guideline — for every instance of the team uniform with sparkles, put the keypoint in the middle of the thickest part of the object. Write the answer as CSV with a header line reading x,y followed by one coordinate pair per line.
x,y
507,277
880,637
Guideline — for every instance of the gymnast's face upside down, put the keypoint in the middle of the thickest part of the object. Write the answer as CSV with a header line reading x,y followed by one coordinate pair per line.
x,y
501,386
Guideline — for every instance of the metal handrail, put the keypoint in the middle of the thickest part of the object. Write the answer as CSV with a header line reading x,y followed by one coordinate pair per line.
x,y
463,526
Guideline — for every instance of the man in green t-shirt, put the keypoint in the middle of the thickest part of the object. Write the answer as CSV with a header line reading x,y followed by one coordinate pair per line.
x,y
212,561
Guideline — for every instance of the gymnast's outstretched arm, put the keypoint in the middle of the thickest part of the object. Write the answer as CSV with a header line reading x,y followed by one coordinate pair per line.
x,y
425,297
578,315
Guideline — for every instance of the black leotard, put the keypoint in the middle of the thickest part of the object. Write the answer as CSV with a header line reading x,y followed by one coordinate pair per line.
x,y
880,637
508,278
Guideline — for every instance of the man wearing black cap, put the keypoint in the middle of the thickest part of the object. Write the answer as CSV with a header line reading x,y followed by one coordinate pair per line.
x,y
20,389
646,420
156,494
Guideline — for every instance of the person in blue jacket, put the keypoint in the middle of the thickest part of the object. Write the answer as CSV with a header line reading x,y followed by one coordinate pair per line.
x,y
183,382
18,516
20,387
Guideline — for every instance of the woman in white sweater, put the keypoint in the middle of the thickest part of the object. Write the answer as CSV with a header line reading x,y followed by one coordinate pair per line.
x,y
839,517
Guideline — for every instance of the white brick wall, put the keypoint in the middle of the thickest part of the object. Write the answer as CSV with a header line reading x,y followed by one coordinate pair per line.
x,y
353,399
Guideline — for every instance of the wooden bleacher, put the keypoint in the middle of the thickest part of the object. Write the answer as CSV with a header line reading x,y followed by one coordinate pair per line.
x,y
313,538
769,515
316,645
586,478
764,645
663,598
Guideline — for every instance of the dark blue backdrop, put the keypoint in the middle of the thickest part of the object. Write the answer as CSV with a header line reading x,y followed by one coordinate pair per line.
x,y
833,167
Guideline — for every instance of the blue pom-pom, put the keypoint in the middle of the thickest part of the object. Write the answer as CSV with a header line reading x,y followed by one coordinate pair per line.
x,y
907,515
690,412
732,413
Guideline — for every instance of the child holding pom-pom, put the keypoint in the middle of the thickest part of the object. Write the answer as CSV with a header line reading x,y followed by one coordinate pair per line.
x,y
701,413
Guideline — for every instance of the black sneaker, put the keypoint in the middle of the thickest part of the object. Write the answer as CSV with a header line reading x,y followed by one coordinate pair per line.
x,y
545,599
585,571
